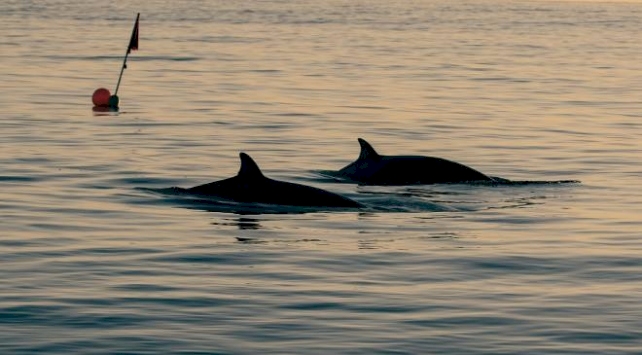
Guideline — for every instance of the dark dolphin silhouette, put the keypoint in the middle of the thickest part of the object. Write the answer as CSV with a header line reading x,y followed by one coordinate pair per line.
x,y
374,169
250,185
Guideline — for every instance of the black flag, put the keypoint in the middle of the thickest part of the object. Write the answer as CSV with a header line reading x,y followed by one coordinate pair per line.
x,y
133,42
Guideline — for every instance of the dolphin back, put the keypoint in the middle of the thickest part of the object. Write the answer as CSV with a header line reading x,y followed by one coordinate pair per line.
x,y
251,186
375,169
408,170
288,193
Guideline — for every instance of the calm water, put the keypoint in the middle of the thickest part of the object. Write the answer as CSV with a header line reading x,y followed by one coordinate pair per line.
x,y
93,262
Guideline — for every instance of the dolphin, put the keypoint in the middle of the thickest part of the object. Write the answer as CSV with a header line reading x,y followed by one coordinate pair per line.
x,y
371,168
251,186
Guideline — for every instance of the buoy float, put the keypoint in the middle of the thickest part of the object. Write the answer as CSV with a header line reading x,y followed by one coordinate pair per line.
x,y
113,101
101,97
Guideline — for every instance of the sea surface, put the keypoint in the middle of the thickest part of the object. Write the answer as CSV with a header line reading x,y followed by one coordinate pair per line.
x,y
96,259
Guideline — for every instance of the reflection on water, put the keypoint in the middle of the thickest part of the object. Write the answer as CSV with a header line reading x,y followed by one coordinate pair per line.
x,y
99,254
243,223
248,223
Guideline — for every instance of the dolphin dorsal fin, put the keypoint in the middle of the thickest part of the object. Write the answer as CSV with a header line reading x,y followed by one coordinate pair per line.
x,y
367,152
249,169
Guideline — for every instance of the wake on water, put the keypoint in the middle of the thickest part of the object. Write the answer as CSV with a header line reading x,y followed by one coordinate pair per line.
x,y
455,197
184,198
383,202
334,177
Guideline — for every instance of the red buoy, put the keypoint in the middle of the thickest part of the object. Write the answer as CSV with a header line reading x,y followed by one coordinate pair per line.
x,y
101,97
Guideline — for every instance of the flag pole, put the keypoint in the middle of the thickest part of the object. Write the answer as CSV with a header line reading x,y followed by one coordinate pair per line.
x,y
133,44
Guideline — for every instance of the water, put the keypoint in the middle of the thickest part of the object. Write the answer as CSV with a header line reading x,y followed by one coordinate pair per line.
x,y
95,262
